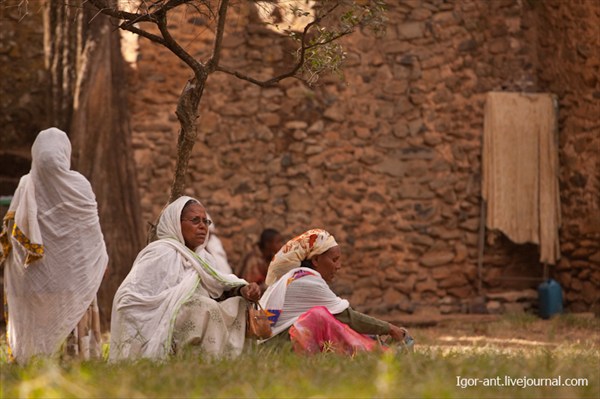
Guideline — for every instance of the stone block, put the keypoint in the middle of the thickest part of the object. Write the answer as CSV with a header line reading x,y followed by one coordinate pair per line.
x,y
335,113
499,46
360,296
408,285
427,285
391,167
362,132
392,297
513,296
396,87
494,307
316,127
468,45
437,258
445,18
590,292
461,252
296,125
395,46
454,280
410,30
442,273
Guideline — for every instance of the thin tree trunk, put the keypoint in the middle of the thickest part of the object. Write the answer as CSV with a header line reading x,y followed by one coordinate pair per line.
x,y
187,113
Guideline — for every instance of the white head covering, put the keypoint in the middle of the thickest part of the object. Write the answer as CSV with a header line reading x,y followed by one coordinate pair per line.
x,y
54,249
164,275
169,224
305,246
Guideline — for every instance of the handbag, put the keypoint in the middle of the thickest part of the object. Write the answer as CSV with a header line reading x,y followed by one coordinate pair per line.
x,y
258,325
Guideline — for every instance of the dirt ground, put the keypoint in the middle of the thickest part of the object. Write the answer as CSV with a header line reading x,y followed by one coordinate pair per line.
x,y
513,331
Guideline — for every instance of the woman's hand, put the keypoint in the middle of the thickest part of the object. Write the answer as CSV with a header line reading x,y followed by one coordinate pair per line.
x,y
398,333
251,292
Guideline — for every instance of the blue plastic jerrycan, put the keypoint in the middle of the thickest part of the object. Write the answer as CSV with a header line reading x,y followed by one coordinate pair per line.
x,y
550,297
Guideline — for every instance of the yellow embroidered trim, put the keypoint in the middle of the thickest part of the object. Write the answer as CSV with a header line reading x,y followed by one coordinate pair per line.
x,y
4,240
34,251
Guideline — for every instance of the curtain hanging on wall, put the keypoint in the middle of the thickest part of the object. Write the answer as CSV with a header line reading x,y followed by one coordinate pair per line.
x,y
520,169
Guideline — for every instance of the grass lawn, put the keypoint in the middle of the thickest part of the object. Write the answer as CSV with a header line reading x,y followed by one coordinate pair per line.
x,y
516,351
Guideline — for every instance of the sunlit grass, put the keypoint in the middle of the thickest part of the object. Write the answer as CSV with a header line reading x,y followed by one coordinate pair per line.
x,y
431,371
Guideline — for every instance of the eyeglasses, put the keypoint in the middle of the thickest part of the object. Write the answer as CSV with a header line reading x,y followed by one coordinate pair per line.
x,y
197,220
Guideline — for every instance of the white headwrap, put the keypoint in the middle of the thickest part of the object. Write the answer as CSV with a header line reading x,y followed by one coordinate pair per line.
x,y
54,249
164,276
305,246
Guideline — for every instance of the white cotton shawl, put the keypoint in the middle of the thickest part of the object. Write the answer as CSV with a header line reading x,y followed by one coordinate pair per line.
x,y
214,246
56,208
164,275
289,298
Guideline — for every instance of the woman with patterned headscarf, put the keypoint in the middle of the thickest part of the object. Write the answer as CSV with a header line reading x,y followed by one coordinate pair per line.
x,y
174,298
303,308
54,256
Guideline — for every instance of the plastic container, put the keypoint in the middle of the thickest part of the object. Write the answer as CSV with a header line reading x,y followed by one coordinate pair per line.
x,y
550,297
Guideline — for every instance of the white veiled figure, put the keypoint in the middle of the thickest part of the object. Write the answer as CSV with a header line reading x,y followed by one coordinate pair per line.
x,y
167,302
214,246
53,250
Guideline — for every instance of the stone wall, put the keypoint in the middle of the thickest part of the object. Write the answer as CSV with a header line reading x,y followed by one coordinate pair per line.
x,y
387,159
570,67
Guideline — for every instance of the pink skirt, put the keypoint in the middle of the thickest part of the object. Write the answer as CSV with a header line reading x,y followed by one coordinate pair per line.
x,y
318,331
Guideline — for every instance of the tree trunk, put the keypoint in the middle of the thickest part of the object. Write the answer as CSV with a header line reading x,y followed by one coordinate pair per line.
x,y
187,113
99,130
60,48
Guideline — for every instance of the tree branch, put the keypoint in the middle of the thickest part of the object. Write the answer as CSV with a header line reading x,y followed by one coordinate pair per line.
x,y
290,73
331,39
131,28
130,17
169,5
213,62
172,45
261,83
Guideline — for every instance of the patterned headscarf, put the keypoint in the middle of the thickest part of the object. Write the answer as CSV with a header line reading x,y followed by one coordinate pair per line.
x,y
305,246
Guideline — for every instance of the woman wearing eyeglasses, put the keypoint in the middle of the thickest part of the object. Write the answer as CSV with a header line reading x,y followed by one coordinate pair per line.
x,y
174,299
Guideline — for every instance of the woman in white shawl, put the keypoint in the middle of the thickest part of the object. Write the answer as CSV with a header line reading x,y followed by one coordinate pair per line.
x,y
303,308
54,256
173,298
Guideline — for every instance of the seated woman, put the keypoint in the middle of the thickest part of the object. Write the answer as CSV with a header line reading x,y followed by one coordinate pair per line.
x,y
303,308
173,298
